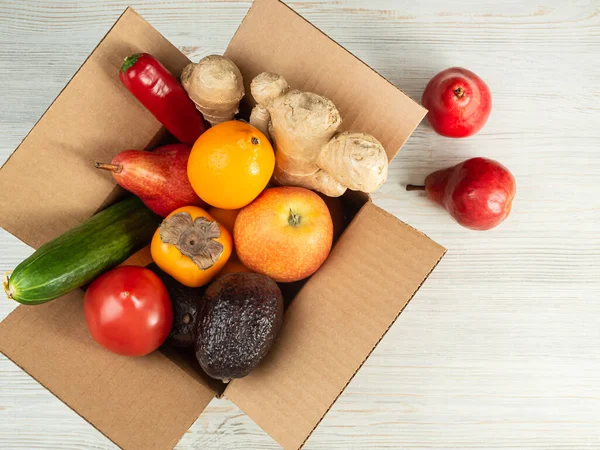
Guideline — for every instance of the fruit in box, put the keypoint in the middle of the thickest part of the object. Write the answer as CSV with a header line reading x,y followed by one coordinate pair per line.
x,y
191,246
159,177
231,164
240,316
185,301
128,311
286,233
226,217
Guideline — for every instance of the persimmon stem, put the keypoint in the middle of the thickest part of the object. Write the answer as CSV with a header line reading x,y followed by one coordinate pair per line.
x,y
116,168
415,187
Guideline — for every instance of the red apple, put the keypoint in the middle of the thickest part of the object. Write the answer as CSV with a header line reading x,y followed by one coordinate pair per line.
x,y
286,233
459,102
477,193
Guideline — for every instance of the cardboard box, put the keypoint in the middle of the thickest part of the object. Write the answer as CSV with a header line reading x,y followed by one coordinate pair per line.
x,y
49,185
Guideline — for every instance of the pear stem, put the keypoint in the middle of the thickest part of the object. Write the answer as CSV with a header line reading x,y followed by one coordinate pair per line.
x,y
414,187
115,168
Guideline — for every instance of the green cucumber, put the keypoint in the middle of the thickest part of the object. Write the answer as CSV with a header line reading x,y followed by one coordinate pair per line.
x,y
81,254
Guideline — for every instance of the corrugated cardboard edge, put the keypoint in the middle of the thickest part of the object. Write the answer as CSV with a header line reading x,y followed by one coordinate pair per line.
x,y
128,9
58,397
357,58
245,55
29,132
384,333
14,317
394,153
188,425
72,303
270,21
434,263
64,87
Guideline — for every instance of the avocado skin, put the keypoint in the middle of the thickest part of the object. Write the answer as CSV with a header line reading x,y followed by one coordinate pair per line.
x,y
239,318
185,301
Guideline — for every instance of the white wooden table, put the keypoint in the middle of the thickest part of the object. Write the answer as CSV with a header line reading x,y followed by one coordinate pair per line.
x,y
501,347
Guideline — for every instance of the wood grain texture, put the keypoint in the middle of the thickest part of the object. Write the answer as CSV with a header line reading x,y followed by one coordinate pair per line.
x,y
499,349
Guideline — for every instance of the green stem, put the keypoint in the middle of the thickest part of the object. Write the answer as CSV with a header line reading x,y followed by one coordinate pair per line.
x,y
294,219
129,61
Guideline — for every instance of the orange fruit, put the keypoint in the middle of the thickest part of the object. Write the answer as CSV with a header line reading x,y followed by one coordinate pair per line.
x,y
188,255
233,265
230,164
225,217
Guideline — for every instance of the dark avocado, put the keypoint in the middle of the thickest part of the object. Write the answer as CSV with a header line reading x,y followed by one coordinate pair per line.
x,y
239,318
185,302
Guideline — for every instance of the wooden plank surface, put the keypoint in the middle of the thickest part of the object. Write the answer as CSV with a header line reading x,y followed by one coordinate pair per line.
x,y
499,349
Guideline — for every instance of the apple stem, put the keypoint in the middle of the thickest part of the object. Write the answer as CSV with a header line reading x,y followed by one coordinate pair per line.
x,y
294,219
116,168
415,187
459,92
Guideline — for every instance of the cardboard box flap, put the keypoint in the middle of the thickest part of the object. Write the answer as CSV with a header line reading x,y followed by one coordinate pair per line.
x,y
138,403
334,323
273,38
49,185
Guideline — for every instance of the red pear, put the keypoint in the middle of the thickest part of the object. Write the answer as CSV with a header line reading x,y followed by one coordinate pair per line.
x,y
159,178
478,192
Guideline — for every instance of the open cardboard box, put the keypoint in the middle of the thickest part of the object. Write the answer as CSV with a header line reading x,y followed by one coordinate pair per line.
x,y
49,185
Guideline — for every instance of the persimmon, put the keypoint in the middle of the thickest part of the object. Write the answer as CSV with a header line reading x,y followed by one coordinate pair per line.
x,y
191,246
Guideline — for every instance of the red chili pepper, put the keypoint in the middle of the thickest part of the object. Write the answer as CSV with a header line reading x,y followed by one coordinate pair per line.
x,y
160,92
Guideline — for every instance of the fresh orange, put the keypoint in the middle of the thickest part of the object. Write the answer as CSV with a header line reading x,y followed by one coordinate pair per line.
x,y
225,217
230,164
233,265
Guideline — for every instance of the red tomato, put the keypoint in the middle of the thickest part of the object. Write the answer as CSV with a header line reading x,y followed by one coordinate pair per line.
x,y
128,311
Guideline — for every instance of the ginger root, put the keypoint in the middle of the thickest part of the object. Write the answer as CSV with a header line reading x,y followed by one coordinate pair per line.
x,y
319,181
264,88
216,86
308,152
301,124
356,160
